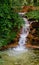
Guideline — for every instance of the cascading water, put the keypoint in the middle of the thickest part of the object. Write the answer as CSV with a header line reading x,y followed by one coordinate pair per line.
x,y
22,39
23,36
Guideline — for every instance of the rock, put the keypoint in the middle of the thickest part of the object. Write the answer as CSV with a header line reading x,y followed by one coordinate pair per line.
x,y
30,36
33,31
33,38
28,8
31,28
36,38
35,24
31,19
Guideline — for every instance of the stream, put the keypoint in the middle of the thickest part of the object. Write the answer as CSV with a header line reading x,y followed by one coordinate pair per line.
x,y
20,55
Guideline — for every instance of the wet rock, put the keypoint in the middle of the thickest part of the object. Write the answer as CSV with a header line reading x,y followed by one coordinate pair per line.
x,y
31,19
30,36
35,24
31,28
36,38
33,37
33,31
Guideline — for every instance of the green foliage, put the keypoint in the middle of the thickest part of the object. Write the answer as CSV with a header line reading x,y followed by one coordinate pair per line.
x,y
36,2
10,22
33,15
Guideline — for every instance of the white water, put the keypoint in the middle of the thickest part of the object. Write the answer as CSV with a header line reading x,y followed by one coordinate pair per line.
x,y
23,36
22,40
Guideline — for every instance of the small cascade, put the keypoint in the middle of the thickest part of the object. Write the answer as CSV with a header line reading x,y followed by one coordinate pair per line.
x,y
23,36
22,40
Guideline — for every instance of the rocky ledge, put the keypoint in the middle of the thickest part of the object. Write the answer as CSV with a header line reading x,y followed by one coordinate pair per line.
x,y
33,37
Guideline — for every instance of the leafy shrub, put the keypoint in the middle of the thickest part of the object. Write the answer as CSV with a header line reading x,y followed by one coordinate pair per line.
x,y
10,23
33,14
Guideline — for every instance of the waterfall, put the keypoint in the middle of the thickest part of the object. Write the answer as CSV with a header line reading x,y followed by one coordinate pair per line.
x,y
23,36
22,40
